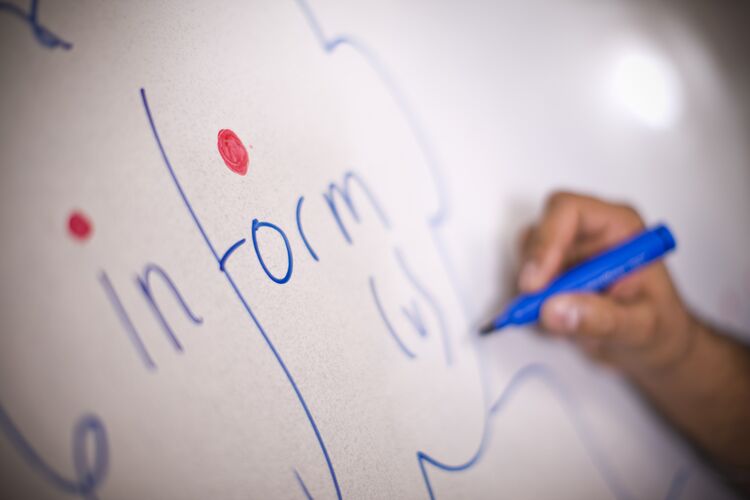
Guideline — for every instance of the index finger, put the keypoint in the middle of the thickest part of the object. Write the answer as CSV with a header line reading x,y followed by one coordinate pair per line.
x,y
572,222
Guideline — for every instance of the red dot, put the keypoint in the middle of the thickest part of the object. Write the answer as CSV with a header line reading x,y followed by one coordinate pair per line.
x,y
79,226
233,152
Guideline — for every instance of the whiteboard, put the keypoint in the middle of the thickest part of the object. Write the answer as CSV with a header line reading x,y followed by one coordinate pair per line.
x,y
248,245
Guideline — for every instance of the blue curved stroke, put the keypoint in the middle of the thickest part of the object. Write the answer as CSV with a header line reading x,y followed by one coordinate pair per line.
x,y
298,215
223,261
240,295
431,301
44,36
331,44
543,374
90,474
388,325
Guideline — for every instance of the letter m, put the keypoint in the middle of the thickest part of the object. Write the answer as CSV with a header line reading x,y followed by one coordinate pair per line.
x,y
342,192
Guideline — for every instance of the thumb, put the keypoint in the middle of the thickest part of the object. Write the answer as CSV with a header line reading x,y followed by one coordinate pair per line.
x,y
599,316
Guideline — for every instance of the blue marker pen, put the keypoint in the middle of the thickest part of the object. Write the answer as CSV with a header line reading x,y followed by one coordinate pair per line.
x,y
591,276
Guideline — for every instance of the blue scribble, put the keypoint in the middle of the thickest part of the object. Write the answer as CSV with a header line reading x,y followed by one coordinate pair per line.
x,y
144,282
240,296
42,34
302,485
329,45
439,217
414,315
679,481
301,231
90,472
343,190
127,323
431,301
544,375
229,252
388,325
290,261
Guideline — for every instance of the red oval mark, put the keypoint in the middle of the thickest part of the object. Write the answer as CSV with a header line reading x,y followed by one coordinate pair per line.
x,y
233,152
79,226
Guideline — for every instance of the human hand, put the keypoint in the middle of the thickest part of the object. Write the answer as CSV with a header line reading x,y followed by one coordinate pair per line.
x,y
640,322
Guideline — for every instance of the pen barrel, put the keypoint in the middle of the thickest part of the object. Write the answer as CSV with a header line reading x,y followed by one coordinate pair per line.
x,y
595,274
604,269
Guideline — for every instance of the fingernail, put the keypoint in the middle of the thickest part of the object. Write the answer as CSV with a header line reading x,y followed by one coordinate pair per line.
x,y
527,278
565,315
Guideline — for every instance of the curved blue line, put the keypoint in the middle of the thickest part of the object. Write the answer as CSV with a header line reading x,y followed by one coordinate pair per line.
x,y
125,320
679,481
44,36
229,252
302,232
427,296
144,283
425,146
89,476
240,296
302,485
331,44
415,318
345,194
257,225
387,322
543,374
14,10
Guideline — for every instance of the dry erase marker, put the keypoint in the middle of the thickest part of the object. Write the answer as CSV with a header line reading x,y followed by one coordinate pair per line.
x,y
591,276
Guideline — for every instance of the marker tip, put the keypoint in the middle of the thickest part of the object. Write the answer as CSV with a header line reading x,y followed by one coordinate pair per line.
x,y
488,328
494,325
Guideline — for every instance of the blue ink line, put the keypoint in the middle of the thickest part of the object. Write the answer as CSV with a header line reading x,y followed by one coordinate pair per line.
x,y
124,318
241,297
329,45
44,36
415,318
387,322
435,169
543,374
89,476
230,251
290,261
301,232
344,192
144,282
433,303
679,481
302,485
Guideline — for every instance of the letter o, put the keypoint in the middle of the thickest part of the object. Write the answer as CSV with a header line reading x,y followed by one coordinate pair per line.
x,y
257,225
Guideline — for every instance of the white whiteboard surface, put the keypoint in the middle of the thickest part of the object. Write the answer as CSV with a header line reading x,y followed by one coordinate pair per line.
x,y
399,149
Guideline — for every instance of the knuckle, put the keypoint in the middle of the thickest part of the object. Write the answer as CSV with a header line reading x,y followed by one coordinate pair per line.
x,y
631,216
558,199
